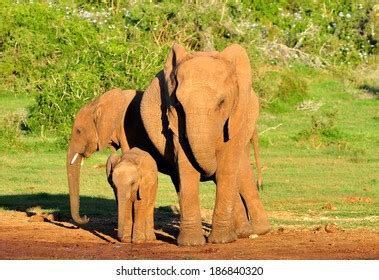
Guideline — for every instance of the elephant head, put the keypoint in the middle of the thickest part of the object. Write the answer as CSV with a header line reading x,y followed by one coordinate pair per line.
x,y
210,92
97,125
123,174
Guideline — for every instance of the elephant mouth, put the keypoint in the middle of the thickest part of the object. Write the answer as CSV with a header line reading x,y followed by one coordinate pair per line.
x,y
88,151
75,158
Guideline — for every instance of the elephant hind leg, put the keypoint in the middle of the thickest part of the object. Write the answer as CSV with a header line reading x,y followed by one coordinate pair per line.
x,y
241,222
139,222
149,222
249,192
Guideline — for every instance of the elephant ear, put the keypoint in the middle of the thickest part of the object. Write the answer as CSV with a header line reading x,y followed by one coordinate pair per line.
x,y
112,161
177,53
108,115
240,60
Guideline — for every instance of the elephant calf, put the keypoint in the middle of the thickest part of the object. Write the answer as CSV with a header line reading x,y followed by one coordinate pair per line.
x,y
134,179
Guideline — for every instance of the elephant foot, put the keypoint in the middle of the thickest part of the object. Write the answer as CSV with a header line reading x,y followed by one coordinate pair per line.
x,y
125,239
138,241
138,237
191,237
244,230
150,235
261,228
222,235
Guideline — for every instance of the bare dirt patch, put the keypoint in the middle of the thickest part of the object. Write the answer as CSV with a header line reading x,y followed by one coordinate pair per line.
x,y
354,199
20,238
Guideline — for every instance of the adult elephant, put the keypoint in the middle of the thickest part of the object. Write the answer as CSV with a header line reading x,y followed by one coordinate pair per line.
x,y
196,119
205,100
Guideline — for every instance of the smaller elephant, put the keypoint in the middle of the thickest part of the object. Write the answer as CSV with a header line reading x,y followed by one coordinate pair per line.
x,y
134,178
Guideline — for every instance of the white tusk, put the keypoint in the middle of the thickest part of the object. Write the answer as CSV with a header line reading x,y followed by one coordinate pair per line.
x,y
74,158
81,164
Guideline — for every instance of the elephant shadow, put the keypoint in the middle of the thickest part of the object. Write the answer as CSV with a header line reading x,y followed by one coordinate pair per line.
x,y
167,223
101,211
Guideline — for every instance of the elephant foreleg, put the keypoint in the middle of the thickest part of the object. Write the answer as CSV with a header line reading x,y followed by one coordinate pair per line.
x,y
191,233
139,222
226,193
125,221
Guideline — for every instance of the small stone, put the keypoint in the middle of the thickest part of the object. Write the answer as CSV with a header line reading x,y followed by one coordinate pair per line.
x,y
319,229
51,217
36,219
253,236
281,230
329,206
330,228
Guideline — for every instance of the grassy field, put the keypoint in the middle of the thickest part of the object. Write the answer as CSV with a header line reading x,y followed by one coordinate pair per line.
x,y
320,163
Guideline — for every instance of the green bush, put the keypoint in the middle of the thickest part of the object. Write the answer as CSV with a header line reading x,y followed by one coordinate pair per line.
x,y
323,131
338,31
280,90
64,53
12,127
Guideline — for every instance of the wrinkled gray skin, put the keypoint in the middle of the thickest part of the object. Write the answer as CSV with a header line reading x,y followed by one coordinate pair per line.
x,y
134,177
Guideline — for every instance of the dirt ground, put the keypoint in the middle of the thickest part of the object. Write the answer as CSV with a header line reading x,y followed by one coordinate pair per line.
x,y
23,237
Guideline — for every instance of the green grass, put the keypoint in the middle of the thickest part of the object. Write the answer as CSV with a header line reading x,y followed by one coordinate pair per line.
x,y
13,103
299,177
302,176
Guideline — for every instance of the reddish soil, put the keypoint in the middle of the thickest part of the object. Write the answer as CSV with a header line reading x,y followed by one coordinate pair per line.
x,y
22,237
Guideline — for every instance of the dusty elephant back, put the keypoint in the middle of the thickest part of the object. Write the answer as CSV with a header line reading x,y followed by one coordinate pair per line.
x,y
140,158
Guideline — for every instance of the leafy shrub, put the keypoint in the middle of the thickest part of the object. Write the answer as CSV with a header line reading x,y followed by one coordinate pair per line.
x,y
280,90
341,32
11,128
65,53
323,132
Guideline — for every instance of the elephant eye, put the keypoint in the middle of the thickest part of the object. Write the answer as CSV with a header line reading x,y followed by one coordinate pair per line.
x,y
78,130
220,103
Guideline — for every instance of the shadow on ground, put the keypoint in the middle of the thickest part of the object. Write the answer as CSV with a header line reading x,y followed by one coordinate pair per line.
x,y
101,211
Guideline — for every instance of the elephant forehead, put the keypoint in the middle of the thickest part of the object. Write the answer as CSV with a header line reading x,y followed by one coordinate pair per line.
x,y
203,68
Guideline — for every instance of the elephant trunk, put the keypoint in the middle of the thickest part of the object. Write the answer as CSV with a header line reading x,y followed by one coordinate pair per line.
x,y
202,140
74,160
121,213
